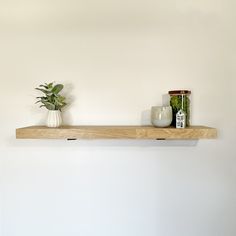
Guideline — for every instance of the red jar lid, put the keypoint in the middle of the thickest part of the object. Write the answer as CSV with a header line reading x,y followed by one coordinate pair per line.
x,y
180,92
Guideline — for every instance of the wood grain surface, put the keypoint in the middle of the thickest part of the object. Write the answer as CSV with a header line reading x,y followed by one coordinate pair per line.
x,y
115,132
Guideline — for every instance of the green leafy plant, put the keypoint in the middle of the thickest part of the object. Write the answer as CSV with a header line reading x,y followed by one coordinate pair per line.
x,y
51,100
176,104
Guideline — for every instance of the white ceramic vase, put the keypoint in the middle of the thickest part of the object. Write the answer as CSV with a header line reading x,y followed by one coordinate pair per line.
x,y
161,116
54,119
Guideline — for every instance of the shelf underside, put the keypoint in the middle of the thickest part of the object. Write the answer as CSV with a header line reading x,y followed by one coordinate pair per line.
x,y
115,132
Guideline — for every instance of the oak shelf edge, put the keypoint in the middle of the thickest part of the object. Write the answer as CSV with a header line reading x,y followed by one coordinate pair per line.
x,y
116,132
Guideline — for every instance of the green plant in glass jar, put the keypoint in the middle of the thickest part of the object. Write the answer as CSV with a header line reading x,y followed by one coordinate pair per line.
x,y
180,99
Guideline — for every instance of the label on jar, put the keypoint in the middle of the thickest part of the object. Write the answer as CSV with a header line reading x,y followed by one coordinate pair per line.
x,y
180,119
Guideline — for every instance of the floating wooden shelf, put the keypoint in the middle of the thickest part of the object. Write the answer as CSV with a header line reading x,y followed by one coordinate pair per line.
x,y
115,132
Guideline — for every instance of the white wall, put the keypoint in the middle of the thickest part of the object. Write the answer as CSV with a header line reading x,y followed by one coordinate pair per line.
x,y
117,59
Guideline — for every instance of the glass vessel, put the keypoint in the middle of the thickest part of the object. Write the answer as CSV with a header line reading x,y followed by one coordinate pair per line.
x,y
161,116
180,99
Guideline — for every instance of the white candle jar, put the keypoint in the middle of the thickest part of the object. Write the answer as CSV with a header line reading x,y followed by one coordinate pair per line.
x,y
161,116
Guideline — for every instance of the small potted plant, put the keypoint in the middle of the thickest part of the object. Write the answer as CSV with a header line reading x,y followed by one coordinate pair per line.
x,y
52,101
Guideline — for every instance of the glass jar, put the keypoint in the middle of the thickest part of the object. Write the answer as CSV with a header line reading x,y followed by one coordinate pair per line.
x,y
180,99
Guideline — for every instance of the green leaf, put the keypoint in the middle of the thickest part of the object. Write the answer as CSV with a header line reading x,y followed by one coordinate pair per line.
x,y
50,86
57,88
43,90
44,86
49,105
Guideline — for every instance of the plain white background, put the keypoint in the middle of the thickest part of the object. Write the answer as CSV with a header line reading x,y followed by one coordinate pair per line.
x,y
117,59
